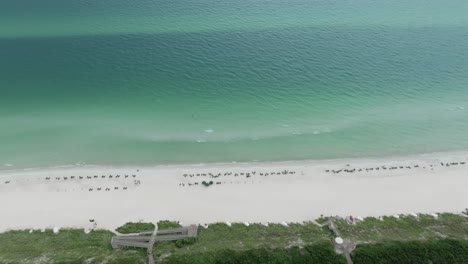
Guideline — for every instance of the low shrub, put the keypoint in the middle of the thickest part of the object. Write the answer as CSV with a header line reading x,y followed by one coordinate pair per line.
x,y
166,224
321,253
185,241
129,228
433,251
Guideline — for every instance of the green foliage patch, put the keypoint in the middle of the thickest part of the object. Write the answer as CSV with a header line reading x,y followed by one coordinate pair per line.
x,y
434,252
186,241
321,253
166,224
129,228
406,228
430,240
239,237
68,246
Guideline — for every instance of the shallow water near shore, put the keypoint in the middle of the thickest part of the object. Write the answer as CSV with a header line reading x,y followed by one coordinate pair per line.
x,y
153,82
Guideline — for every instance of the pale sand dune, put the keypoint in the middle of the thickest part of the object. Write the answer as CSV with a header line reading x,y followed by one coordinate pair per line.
x,y
31,201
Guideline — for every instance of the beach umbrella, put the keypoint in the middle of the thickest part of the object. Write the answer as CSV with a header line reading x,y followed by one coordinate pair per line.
x,y
338,240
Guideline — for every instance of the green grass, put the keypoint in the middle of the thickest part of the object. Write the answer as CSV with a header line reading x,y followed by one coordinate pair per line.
x,y
406,228
220,240
129,228
95,247
166,224
444,251
68,246
239,237
323,253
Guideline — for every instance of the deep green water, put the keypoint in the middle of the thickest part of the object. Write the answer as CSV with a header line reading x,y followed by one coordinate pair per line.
x,y
151,82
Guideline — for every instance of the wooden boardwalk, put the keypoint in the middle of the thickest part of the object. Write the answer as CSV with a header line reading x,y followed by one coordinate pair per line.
x,y
148,238
346,247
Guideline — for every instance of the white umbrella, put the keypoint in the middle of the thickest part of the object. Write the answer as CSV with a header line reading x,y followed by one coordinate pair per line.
x,y
339,240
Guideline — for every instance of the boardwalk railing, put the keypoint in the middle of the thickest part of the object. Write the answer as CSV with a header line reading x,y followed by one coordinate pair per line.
x,y
148,238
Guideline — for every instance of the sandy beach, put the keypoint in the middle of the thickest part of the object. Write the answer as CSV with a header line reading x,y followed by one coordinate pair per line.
x,y
253,192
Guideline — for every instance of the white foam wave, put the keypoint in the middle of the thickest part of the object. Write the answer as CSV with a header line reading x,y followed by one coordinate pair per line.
x,y
318,132
209,130
456,108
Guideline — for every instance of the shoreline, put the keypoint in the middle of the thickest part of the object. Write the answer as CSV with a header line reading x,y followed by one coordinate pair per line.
x,y
304,193
386,158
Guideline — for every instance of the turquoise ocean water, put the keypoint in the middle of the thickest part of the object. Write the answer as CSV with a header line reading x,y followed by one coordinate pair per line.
x,y
190,81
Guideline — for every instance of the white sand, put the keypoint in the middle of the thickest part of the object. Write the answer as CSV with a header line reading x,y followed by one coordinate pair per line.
x,y
31,201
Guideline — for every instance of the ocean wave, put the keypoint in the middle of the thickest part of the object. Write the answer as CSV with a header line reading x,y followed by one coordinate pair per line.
x,y
231,136
318,132
21,167
456,108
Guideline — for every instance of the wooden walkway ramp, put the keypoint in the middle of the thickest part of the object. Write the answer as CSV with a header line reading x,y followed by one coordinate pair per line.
x,y
148,238
346,247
